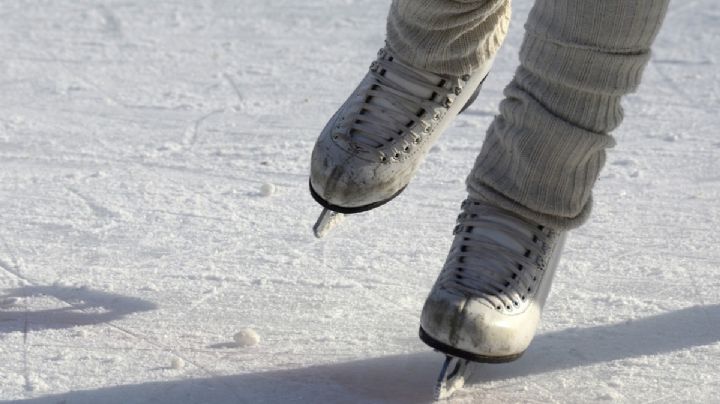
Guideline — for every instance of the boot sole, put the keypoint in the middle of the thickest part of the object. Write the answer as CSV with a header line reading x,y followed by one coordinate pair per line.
x,y
350,210
459,353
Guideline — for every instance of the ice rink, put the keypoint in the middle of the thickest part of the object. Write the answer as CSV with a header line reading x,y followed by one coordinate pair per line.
x,y
154,160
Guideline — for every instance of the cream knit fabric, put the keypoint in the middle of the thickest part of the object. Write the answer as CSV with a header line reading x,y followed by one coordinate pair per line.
x,y
447,36
543,153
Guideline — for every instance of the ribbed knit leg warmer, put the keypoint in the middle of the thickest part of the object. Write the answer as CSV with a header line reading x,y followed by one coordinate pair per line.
x,y
447,36
543,153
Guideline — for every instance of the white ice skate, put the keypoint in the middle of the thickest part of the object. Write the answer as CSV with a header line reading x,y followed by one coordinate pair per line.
x,y
487,300
370,149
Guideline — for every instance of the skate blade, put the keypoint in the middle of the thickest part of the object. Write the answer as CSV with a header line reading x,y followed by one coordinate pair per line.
x,y
452,377
327,221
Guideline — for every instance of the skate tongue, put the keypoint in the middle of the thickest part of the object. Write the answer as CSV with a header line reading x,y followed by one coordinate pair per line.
x,y
411,87
408,86
501,237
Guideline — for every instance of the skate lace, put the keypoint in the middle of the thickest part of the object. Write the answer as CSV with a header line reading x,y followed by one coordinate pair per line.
x,y
395,115
482,267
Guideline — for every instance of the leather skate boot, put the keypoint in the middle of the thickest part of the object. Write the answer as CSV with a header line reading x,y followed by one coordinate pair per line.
x,y
370,149
486,303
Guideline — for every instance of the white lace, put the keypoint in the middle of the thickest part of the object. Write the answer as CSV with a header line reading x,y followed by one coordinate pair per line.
x,y
401,106
496,256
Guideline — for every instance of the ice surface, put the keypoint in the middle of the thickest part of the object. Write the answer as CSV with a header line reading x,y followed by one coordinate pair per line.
x,y
135,139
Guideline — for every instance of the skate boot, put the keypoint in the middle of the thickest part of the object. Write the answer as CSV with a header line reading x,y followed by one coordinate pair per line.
x,y
370,149
487,300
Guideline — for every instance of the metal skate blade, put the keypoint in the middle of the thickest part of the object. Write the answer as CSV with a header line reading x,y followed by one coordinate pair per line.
x,y
452,377
327,221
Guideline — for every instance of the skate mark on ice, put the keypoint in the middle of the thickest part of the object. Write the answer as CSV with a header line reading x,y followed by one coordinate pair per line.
x,y
192,133
14,270
207,295
11,269
178,355
108,98
234,87
406,311
113,25
99,210
669,79
707,180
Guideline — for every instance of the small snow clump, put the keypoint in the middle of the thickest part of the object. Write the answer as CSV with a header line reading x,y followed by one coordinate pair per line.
x,y
267,189
246,338
177,363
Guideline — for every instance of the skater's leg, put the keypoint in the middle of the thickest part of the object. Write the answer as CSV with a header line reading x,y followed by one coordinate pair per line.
x,y
447,36
544,151
534,176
